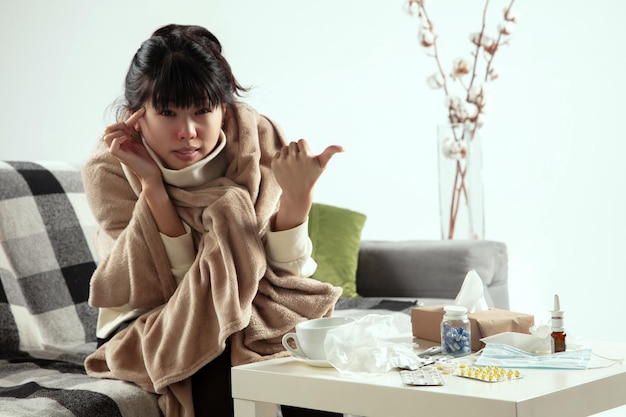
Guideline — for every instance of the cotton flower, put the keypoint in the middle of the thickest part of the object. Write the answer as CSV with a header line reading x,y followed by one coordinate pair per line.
x,y
457,111
460,67
426,38
472,111
491,48
476,95
453,102
488,43
506,28
454,149
476,38
435,81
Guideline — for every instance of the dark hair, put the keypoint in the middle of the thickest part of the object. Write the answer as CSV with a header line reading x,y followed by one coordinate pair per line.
x,y
181,66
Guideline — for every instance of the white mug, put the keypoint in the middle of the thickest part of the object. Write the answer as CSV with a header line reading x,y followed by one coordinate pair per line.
x,y
310,335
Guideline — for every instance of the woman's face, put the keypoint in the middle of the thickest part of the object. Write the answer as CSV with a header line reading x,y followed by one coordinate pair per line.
x,y
181,136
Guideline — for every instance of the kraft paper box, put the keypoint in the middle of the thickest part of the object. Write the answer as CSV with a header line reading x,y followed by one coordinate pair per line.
x,y
426,322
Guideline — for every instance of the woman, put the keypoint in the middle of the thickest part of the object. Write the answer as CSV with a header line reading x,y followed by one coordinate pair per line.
x,y
204,254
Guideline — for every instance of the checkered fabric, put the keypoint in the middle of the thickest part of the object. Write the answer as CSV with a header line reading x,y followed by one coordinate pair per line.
x,y
45,263
46,326
40,387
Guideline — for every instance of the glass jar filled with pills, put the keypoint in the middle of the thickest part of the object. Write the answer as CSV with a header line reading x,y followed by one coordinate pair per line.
x,y
455,332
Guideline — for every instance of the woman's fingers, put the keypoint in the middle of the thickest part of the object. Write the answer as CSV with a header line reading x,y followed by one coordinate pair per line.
x,y
125,128
293,148
301,149
108,137
297,170
328,153
134,118
115,145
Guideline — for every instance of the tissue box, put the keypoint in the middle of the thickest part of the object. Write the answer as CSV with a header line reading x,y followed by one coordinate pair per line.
x,y
426,322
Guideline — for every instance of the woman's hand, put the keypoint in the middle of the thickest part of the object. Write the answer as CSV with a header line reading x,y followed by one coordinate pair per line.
x,y
121,138
297,170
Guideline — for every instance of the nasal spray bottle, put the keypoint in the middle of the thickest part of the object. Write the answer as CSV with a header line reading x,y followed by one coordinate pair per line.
x,y
558,331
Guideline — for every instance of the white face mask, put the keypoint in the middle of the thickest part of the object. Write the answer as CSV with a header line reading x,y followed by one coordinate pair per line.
x,y
505,356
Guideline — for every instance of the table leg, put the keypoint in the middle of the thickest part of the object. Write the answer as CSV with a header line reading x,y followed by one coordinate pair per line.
x,y
247,408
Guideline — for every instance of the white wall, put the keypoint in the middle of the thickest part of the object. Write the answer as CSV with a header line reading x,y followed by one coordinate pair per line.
x,y
350,72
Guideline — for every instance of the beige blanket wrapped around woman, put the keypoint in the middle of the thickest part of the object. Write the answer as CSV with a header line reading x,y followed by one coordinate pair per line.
x,y
229,292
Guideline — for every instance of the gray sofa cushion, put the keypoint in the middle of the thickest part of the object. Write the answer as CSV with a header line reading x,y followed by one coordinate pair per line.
x,y
432,268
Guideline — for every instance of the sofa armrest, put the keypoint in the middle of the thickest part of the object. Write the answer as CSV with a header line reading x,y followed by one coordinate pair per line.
x,y
432,268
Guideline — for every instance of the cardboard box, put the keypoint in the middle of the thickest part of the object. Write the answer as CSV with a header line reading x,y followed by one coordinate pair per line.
x,y
426,322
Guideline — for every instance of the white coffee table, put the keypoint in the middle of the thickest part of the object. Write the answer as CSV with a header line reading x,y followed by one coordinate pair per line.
x,y
258,387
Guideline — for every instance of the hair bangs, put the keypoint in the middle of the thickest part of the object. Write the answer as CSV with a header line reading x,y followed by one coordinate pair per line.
x,y
181,84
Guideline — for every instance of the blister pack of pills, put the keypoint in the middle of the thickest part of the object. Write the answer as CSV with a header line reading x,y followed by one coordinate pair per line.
x,y
446,366
487,373
423,377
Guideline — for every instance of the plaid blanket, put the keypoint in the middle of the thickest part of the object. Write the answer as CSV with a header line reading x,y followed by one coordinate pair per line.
x,y
54,388
46,326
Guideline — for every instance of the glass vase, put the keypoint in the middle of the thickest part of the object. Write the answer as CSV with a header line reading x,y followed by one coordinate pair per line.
x,y
460,182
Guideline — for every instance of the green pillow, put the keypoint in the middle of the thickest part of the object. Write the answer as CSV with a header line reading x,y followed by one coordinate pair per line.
x,y
336,236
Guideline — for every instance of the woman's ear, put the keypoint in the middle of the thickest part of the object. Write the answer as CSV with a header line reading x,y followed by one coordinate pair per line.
x,y
137,125
137,132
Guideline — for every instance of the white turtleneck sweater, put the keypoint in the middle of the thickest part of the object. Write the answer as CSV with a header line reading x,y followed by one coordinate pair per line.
x,y
287,250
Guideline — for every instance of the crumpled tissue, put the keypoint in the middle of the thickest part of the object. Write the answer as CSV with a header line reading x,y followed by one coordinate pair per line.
x,y
373,344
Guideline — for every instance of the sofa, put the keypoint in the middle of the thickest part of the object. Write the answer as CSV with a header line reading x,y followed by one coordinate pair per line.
x,y
47,257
